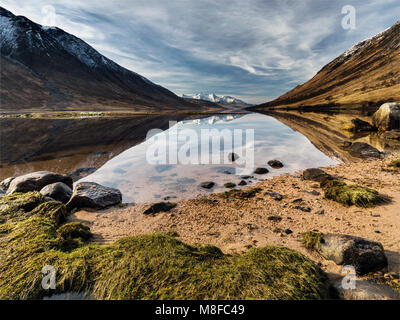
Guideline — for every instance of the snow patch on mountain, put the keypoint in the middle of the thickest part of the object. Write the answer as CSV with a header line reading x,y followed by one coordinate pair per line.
x,y
213,98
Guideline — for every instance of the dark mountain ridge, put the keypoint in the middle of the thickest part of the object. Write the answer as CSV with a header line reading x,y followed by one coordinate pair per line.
x,y
46,67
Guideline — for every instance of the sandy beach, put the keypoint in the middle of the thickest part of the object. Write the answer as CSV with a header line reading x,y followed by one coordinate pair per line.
x,y
235,225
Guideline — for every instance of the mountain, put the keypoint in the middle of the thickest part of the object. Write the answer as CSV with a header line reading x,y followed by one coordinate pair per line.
x,y
226,100
48,68
368,74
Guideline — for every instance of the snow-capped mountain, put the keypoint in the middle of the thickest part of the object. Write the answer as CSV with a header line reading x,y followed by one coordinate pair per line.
x,y
45,67
214,98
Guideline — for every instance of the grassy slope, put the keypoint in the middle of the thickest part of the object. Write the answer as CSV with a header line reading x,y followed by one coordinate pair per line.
x,y
157,266
370,76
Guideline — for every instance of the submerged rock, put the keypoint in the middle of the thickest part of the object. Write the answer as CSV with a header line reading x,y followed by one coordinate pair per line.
x,y
4,185
363,150
364,255
276,164
364,290
316,174
93,195
36,181
232,157
159,207
58,191
357,125
387,117
207,185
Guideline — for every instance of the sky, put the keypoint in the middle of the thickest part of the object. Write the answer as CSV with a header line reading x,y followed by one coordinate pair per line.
x,y
255,50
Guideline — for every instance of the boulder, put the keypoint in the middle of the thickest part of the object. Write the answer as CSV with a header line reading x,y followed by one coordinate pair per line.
x,y
387,117
315,174
363,150
276,164
364,255
364,290
6,183
159,207
36,181
229,185
207,185
357,125
93,195
58,191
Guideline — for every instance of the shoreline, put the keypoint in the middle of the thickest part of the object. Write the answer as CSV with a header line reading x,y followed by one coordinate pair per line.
x,y
235,225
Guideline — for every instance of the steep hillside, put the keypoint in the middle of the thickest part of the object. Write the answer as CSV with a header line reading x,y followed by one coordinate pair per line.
x,y
367,74
47,68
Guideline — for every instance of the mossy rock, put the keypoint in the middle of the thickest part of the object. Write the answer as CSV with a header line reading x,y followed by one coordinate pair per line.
x,y
156,266
350,195
53,209
73,235
15,207
312,240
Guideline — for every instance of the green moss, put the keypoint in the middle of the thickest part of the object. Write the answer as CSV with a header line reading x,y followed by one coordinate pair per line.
x,y
312,240
73,235
359,196
16,206
53,209
157,266
240,194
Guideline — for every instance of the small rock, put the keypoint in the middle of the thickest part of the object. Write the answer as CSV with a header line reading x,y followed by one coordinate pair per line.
x,y
314,193
315,174
261,171
246,177
304,209
276,164
274,195
58,191
242,183
288,231
93,195
207,185
365,290
363,150
229,185
297,200
275,218
36,181
320,212
232,157
160,207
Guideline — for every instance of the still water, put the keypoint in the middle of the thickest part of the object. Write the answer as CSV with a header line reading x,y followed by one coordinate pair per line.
x,y
146,172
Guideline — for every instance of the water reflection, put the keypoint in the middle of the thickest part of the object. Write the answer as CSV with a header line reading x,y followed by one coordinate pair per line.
x,y
141,181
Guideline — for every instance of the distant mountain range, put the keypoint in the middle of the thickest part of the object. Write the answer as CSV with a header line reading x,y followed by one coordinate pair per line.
x,y
226,100
48,68
368,74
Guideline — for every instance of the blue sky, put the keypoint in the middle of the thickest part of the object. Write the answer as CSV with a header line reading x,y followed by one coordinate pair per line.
x,y
251,49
